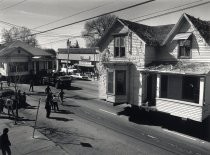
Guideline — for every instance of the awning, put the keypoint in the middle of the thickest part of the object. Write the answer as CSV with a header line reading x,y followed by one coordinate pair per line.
x,y
182,36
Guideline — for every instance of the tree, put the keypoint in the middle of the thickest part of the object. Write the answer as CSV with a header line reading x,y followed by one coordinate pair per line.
x,y
19,33
95,29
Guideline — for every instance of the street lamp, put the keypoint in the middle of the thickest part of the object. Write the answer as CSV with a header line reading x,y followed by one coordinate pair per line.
x,y
68,46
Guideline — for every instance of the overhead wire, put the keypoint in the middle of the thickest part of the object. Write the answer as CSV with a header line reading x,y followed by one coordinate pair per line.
x,y
170,12
13,5
125,8
171,9
166,9
55,21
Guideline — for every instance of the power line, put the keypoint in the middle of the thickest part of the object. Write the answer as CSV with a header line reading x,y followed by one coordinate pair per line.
x,y
173,11
61,40
94,17
47,35
55,21
166,10
170,11
13,5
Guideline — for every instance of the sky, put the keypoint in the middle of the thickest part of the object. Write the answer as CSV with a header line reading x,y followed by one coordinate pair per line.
x,y
41,15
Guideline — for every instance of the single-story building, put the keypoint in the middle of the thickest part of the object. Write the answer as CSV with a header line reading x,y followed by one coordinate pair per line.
x,y
19,58
83,59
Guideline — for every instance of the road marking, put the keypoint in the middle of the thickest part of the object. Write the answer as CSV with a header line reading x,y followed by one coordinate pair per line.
x,y
179,134
108,112
151,136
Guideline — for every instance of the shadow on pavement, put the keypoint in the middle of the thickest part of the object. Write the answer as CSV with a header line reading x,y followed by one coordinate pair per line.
x,y
61,119
153,118
81,97
74,88
64,112
70,105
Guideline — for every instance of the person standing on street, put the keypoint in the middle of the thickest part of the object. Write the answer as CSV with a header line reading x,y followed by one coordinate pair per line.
x,y
5,143
31,85
61,94
48,105
48,90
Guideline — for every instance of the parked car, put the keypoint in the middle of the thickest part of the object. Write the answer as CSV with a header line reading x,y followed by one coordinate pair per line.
x,y
79,76
58,80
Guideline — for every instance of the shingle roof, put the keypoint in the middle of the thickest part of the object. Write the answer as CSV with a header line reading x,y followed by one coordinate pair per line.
x,y
77,50
152,35
202,26
18,44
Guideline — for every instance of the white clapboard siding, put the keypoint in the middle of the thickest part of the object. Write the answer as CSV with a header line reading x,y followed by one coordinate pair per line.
x,y
176,108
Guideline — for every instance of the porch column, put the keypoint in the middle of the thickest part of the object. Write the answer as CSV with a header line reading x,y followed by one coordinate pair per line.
x,y
140,88
201,91
34,67
158,86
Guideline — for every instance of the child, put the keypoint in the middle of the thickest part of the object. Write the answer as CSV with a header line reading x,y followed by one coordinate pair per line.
x,y
61,94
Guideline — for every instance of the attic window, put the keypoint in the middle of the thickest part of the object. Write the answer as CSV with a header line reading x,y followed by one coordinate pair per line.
x,y
184,45
119,46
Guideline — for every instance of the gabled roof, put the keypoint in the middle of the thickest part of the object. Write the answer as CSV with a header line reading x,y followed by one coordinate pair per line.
x,y
77,50
18,44
202,26
152,35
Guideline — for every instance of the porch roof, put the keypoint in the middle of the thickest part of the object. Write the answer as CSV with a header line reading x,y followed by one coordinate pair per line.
x,y
191,68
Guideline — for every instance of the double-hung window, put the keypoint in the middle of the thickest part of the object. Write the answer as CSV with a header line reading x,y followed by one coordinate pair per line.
x,y
184,49
184,45
119,46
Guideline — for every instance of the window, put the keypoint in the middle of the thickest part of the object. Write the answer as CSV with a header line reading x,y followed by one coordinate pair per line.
x,y
190,89
110,82
18,67
49,64
184,49
2,65
184,88
119,46
120,82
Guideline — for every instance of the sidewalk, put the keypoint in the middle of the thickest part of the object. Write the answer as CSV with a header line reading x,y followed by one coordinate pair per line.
x,y
23,143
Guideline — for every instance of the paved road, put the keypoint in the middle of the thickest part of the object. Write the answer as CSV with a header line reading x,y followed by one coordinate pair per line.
x,y
113,133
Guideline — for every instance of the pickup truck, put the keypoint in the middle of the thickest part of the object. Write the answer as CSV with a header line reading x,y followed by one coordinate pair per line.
x,y
63,81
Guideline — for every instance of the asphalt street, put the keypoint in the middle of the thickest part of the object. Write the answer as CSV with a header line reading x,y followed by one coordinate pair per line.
x,y
105,128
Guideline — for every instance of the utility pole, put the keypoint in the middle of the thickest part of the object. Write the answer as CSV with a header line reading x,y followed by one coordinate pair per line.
x,y
68,47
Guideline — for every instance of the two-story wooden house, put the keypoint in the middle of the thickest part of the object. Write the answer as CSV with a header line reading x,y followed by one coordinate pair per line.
x,y
165,68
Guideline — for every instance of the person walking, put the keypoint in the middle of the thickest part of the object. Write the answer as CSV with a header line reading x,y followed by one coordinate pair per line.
x,y
1,105
48,106
48,90
61,95
55,103
9,105
31,85
5,142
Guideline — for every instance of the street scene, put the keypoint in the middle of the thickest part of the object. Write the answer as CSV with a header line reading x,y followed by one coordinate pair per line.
x,y
105,77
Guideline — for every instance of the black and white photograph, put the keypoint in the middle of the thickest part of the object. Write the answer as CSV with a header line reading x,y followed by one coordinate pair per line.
x,y
105,77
